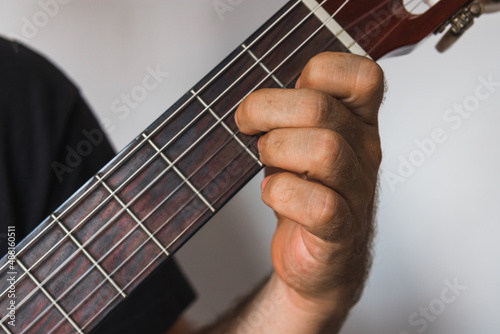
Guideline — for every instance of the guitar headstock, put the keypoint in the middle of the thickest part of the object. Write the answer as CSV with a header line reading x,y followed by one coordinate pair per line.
x,y
381,27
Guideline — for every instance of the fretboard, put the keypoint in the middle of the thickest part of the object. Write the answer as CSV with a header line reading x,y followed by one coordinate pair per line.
x,y
124,223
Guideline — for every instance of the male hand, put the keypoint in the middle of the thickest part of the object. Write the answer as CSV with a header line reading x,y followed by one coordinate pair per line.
x,y
323,145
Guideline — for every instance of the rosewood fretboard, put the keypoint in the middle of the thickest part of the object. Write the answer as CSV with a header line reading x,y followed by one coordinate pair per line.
x,y
84,259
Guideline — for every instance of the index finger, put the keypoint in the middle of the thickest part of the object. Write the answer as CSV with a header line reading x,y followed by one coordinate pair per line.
x,y
268,109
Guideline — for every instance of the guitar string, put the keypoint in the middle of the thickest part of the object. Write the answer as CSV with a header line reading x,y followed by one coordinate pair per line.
x,y
205,208
119,164
319,29
410,11
159,229
275,69
147,162
155,259
201,214
143,166
140,145
194,144
227,113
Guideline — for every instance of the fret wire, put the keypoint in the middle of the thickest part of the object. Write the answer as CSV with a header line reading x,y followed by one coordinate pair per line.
x,y
235,59
227,113
210,129
159,228
119,242
228,129
51,299
285,60
155,258
109,197
280,64
187,228
340,33
233,84
6,263
5,328
133,216
68,290
114,297
262,81
119,163
264,67
181,175
124,238
91,258
274,70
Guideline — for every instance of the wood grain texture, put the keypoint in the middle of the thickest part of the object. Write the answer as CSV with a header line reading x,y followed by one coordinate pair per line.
x,y
215,160
383,26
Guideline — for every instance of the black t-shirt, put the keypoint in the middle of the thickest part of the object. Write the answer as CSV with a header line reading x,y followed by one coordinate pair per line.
x,y
42,113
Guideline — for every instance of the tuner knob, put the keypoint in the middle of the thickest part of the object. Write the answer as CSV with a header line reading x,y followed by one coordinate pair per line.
x,y
459,23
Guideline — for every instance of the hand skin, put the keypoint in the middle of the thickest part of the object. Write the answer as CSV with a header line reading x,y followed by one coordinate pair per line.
x,y
323,149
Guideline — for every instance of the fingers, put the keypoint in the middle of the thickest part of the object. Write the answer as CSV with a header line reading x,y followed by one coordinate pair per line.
x,y
320,154
357,81
319,209
268,109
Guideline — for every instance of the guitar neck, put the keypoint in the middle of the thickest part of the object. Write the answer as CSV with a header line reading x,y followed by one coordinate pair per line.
x,y
83,260
90,254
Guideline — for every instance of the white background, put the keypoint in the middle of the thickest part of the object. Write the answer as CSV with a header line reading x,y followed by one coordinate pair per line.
x,y
440,224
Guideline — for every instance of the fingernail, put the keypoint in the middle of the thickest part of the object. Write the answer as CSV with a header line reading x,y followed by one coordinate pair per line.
x,y
264,182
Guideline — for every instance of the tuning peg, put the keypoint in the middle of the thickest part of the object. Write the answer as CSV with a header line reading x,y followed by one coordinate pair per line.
x,y
459,23
491,6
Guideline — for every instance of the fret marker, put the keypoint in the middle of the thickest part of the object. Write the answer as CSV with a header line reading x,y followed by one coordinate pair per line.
x,y
134,217
228,129
90,257
181,175
51,299
337,30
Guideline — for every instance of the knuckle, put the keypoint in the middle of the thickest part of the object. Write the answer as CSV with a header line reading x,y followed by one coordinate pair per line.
x,y
269,145
327,146
249,102
247,112
312,72
281,190
333,220
315,107
273,141
370,78
326,204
